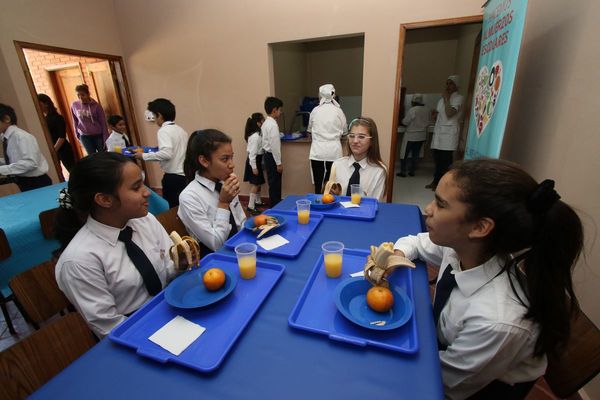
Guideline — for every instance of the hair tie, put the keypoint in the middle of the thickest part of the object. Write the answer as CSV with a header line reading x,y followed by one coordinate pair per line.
x,y
543,197
64,199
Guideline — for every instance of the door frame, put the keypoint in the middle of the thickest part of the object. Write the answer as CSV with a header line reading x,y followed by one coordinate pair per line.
x,y
401,41
127,101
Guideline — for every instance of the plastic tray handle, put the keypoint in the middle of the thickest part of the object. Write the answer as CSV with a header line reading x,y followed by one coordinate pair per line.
x,y
153,354
346,339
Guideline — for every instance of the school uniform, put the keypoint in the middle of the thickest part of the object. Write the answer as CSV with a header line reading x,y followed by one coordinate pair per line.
x,y
254,160
100,280
172,144
23,160
271,144
204,220
372,177
483,335
117,139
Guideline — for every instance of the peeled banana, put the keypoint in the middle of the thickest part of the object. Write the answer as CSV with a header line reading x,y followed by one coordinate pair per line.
x,y
382,262
187,247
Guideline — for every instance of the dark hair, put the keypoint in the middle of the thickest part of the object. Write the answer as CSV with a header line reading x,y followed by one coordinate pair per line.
x,y
272,103
6,110
527,215
96,173
113,120
44,98
201,143
252,125
82,88
163,107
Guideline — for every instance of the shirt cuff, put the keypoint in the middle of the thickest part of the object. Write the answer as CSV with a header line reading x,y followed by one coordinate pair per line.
x,y
409,250
223,215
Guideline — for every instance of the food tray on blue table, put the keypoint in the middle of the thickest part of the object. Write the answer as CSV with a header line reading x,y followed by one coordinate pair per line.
x,y
224,320
131,150
316,311
366,212
296,234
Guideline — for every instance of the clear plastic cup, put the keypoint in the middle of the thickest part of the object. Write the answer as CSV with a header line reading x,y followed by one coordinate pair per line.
x,y
303,207
355,193
246,255
332,256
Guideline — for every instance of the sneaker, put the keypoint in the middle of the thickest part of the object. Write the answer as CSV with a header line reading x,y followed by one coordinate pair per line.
x,y
411,174
252,211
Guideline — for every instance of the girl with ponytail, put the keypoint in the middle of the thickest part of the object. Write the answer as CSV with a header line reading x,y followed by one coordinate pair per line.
x,y
506,246
254,173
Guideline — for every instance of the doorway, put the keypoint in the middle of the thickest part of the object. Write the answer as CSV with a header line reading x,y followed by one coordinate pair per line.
x,y
428,53
57,71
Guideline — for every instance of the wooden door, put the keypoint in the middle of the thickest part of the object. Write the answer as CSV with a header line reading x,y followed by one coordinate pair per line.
x,y
106,89
64,82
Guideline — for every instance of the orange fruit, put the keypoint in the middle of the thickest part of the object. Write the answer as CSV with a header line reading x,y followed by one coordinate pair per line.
x,y
214,279
260,220
327,198
380,299
139,150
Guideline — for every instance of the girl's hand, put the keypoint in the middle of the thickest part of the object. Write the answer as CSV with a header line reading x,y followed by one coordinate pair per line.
x,y
255,171
230,189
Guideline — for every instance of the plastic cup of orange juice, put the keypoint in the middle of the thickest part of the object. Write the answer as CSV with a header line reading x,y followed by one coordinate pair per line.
x,y
117,149
355,193
246,256
332,257
303,207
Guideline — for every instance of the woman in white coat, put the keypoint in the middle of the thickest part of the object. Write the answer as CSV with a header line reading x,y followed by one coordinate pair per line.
x,y
327,124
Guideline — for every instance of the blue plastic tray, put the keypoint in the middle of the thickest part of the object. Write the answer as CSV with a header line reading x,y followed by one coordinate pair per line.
x,y
297,234
130,151
224,321
316,311
366,212
318,206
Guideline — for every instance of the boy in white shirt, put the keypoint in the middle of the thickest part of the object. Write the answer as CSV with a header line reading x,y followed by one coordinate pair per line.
x,y
118,135
271,144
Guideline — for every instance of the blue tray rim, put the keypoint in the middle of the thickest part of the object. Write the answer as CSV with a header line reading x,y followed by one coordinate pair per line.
x,y
330,212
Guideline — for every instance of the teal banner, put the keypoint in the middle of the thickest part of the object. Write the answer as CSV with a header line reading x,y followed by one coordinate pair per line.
x,y
503,22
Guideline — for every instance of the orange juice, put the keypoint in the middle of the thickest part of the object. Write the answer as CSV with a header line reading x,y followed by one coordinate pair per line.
x,y
355,198
333,265
118,149
303,216
247,267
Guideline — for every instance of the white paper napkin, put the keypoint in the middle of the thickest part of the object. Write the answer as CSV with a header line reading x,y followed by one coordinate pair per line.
x,y
272,242
359,273
349,204
177,335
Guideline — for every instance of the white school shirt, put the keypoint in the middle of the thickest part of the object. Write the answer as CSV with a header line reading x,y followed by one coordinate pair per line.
x,y
172,143
372,177
200,213
482,323
271,142
327,124
24,154
445,132
254,148
116,139
99,278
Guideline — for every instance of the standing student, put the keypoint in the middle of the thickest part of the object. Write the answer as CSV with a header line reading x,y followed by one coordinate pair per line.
x,y
271,143
253,172
363,164
504,298
327,124
89,120
58,131
118,135
172,140
23,160
209,206
416,122
116,254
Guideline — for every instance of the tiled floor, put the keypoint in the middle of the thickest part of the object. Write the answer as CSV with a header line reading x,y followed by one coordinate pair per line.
x,y
23,328
411,189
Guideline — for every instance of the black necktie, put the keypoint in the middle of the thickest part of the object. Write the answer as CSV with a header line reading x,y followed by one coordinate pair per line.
x,y
234,229
127,144
355,178
5,150
141,262
442,292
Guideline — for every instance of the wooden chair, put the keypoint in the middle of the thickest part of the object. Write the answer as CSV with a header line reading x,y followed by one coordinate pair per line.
x,y
171,222
38,293
579,363
47,222
28,364
5,252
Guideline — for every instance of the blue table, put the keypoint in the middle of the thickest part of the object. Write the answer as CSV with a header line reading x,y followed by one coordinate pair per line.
x,y
19,217
270,360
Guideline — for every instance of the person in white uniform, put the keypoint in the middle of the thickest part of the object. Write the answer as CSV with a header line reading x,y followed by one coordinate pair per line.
x,y
416,121
363,164
446,130
115,255
118,135
504,296
254,172
172,141
327,124
209,206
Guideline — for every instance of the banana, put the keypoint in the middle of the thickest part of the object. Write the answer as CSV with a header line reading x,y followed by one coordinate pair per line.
x,y
186,245
382,262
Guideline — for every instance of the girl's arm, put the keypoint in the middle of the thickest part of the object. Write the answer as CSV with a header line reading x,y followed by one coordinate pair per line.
x,y
421,247
165,148
379,186
253,147
194,215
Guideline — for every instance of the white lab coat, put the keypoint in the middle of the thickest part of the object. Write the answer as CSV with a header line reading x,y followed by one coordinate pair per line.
x,y
327,124
416,121
446,130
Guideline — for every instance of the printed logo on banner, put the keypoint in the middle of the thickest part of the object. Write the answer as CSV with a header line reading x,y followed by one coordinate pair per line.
x,y
487,91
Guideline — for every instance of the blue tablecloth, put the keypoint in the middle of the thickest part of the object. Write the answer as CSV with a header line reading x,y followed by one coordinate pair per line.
x,y
19,218
270,360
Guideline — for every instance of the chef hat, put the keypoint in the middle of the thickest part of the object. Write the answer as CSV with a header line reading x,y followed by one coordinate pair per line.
x,y
417,98
455,79
327,93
